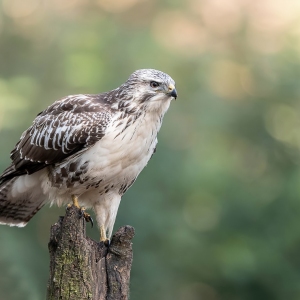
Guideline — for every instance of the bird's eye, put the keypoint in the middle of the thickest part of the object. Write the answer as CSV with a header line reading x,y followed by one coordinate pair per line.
x,y
154,84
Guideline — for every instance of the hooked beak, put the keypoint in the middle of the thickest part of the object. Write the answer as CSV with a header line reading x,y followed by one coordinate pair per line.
x,y
172,91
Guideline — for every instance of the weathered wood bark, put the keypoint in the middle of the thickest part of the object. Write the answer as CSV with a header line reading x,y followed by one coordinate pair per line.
x,y
81,268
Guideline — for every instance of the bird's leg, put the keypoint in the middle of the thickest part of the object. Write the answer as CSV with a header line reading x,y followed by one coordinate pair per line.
x,y
86,216
103,237
75,201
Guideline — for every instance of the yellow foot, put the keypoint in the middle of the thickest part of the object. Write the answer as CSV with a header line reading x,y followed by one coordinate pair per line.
x,y
103,237
86,216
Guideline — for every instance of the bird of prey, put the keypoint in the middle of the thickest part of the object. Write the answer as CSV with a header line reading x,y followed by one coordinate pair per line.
x,y
88,148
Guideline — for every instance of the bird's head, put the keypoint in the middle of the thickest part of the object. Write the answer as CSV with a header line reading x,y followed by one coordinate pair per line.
x,y
151,88
152,83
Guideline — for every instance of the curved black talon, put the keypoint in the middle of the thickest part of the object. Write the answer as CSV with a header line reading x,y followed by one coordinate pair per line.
x,y
88,218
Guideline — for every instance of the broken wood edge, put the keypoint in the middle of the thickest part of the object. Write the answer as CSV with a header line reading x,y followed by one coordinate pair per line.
x,y
81,268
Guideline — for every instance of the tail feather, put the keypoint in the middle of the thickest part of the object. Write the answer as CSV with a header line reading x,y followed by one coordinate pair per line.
x,y
20,200
10,173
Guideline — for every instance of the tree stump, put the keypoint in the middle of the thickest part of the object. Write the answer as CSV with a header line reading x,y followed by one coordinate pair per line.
x,y
81,268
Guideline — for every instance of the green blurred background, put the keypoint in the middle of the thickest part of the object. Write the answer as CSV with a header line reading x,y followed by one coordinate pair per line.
x,y
217,210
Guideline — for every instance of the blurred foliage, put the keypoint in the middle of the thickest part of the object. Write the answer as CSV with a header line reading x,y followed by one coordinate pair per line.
x,y
217,209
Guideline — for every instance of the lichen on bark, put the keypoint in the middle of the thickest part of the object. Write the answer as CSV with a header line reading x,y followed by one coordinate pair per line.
x,y
81,268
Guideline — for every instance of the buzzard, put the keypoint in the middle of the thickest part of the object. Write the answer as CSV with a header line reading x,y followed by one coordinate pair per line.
x,y
88,148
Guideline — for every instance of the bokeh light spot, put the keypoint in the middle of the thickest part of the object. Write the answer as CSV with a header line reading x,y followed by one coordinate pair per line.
x,y
117,6
231,80
178,33
283,122
228,14
19,8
